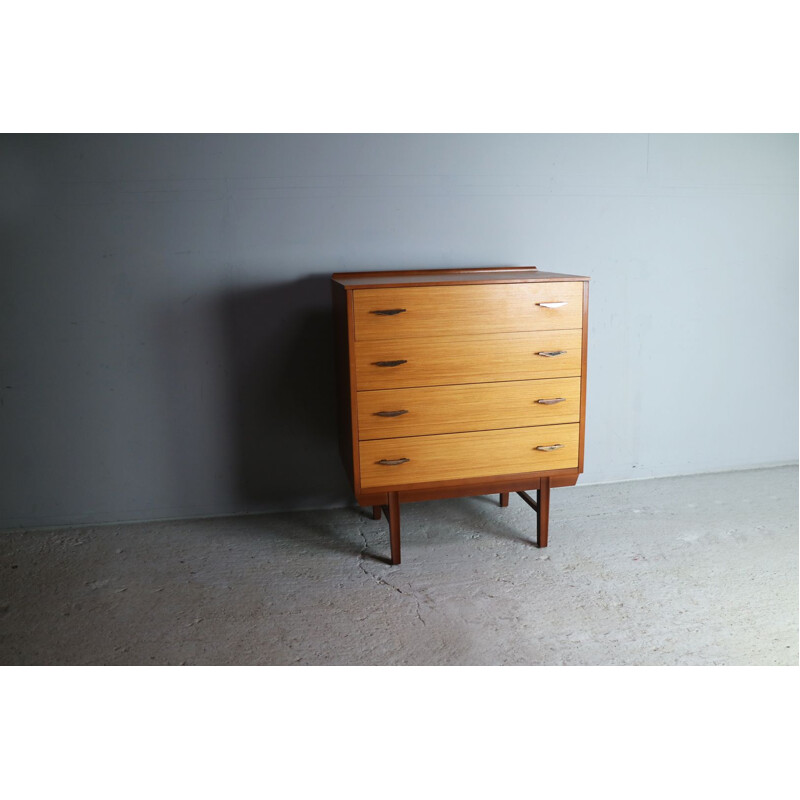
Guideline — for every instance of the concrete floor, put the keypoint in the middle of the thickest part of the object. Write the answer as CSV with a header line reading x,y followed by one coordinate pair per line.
x,y
692,570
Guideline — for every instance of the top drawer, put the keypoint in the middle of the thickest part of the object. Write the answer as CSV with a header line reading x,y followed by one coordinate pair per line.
x,y
471,309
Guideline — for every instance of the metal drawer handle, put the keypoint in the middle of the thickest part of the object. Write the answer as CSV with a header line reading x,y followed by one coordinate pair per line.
x,y
391,413
389,462
552,353
390,363
547,447
552,305
388,312
552,401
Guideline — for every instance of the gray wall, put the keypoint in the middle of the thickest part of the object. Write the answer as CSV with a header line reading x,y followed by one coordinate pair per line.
x,y
164,301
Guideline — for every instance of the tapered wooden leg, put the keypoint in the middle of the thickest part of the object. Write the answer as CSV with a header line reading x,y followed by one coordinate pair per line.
x,y
503,499
376,512
542,511
394,526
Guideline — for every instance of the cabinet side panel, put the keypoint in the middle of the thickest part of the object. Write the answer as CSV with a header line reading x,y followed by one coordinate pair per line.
x,y
584,351
351,354
343,394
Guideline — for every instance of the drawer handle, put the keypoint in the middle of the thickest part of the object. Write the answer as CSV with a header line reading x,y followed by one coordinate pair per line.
x,y
552,401
552,353
390,363
391,413
547,447
388,312
552,305
392,462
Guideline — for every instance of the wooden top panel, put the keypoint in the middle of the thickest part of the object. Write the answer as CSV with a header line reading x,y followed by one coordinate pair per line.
x,y
439,277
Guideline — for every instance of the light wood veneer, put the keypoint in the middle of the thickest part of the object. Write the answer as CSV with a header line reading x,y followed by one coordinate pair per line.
x,y
467,359
387,413
450,456
426,311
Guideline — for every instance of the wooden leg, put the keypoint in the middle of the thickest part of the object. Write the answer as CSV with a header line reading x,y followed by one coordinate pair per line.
x,y
394,526
376,512
503,499
542,511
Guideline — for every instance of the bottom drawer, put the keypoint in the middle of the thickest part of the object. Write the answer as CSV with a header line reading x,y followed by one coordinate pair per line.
x,y
450,456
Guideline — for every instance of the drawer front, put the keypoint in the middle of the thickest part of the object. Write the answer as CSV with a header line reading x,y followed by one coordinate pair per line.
x,y
451,456
436,362
387,413
466,310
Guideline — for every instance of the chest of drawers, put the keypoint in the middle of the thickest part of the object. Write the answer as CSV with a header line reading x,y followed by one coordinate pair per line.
x,y
460,382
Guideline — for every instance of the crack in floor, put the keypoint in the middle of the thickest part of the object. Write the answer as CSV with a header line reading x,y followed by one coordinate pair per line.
x,y
383,582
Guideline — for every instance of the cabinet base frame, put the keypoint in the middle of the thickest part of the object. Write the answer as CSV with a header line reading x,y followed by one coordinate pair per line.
x,y
391,506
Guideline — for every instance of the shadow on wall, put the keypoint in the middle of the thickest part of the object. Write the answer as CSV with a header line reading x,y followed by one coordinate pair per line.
x,y
280,370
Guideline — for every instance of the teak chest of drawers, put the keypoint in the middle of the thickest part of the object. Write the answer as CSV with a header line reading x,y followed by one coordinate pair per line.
x,y
459,382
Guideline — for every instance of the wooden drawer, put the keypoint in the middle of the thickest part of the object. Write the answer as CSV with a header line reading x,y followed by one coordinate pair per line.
x,y
452,456
469,359
460,310
467,407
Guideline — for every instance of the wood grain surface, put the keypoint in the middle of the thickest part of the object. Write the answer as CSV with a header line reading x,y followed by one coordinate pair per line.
x,y
466,310
467,407
464,455
468,359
